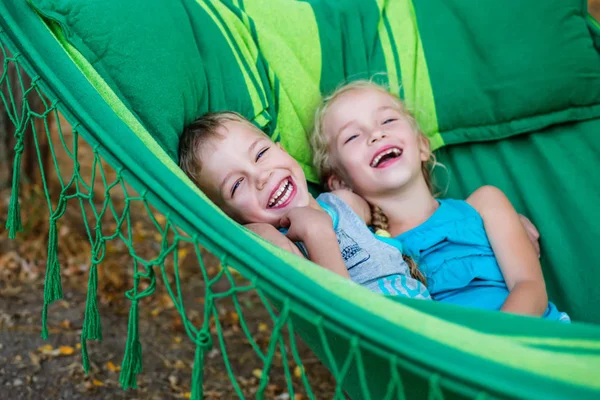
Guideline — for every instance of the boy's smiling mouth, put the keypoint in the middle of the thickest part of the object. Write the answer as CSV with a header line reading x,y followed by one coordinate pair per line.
x,y
385,156
282,194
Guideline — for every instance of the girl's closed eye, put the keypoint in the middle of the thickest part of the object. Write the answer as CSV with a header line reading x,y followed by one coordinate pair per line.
x,y
389,121
235,186
261,153
351,138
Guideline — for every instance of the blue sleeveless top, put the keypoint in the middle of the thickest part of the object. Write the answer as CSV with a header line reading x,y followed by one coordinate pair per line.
x,y
455,255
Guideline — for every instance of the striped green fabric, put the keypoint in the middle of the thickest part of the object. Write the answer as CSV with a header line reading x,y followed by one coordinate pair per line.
x,y
375,347
272,60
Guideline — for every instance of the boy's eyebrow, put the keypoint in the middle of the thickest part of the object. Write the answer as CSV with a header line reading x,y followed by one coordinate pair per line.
x,y
250,152
222,186
253,145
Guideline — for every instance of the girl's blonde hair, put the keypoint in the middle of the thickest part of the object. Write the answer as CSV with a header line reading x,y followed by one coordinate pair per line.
x,y
325,168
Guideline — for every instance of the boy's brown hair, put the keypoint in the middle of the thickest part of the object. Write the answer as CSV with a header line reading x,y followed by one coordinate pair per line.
x,y
197,134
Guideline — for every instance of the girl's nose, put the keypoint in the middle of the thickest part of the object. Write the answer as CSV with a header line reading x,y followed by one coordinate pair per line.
x,y
376,135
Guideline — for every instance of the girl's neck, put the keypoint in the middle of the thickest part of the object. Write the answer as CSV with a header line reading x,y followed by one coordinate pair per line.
x,y
408,207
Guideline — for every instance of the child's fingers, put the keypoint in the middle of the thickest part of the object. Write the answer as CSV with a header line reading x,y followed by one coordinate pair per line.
x,y
284,222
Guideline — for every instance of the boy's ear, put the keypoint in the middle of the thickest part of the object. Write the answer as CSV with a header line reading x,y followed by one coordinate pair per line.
x,y
335,183
425,147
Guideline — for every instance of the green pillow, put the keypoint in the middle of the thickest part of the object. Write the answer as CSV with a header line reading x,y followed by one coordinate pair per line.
x,y
470,70
166,60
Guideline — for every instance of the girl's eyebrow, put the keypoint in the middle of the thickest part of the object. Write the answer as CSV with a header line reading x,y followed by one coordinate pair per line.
x,y
343,128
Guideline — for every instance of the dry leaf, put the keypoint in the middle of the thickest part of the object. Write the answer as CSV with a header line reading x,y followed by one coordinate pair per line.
x,y
156,311
257,373
66,324
186,395
35,359
297,371
177,339
182,253
234,318
112,367
45,348
96,382
66,350
262,327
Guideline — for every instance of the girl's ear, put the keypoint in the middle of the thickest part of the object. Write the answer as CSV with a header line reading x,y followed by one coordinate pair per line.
x,y
335,183
425,148
278,144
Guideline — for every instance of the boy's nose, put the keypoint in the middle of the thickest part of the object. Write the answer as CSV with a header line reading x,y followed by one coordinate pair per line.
x,y
263,178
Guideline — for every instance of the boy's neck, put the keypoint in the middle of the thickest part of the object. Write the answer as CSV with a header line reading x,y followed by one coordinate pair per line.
x,y
407,207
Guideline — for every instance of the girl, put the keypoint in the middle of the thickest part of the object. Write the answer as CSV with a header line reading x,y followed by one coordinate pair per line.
x,y
473,253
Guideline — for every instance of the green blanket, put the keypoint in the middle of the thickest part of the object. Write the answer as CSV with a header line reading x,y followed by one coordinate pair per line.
x,y
470,71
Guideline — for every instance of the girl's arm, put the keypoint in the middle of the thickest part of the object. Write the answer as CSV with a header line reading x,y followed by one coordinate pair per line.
x,y
356,203
514,252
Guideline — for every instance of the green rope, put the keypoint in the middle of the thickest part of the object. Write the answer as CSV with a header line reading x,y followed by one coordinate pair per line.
x,y
92,326
132,361
203,344
52,282
13,220
435,391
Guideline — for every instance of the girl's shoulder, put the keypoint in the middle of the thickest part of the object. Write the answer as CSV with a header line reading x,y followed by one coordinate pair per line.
x,y
345,204
451,215
454,208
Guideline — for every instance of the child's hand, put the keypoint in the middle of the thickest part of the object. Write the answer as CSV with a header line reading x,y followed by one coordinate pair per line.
x,y
306,223
271,234
532,232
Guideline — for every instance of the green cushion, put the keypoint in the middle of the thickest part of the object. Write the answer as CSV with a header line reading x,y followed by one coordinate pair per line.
x,y
166,60
548,176
471,70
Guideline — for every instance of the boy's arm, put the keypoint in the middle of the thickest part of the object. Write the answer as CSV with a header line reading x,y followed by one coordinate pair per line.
x,y
315,229
356,203
514,252
271,234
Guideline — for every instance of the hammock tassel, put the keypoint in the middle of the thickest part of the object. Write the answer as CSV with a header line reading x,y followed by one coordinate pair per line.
x,y
132,361
13,219
203,344
52,283
92,327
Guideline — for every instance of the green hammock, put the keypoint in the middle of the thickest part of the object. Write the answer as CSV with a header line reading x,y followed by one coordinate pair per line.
x,y
128,76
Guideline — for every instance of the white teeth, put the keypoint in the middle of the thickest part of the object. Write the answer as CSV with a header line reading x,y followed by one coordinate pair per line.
x,y
286,196
284,189
393,150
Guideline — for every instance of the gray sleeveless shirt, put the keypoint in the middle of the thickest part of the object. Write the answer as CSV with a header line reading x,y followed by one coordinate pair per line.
x,y
370,261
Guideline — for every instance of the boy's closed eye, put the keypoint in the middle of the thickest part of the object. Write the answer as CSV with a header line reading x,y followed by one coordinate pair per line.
x,y
235,186
238,182
261,153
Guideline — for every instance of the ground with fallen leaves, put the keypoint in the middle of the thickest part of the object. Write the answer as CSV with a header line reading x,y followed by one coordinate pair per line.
x,y
31,368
